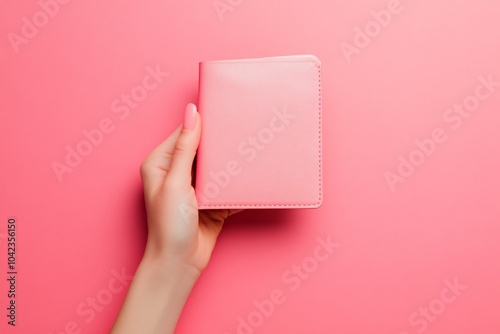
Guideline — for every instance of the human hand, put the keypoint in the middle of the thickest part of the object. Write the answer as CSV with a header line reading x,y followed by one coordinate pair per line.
x,y
180,238
177,232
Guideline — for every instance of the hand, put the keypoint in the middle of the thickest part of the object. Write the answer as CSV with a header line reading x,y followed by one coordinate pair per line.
x,y
178,232
180,238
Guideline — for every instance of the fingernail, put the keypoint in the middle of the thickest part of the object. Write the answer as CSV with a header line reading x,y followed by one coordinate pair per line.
x,y
189,117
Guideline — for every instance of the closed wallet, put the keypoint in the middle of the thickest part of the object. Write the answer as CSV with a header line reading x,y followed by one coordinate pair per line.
x,y
261,133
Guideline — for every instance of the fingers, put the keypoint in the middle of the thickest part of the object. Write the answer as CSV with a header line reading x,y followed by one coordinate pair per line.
x,y
234,211
185,148
174,156
155,167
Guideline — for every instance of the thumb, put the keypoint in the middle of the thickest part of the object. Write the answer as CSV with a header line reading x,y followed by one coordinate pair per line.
x,y
185,148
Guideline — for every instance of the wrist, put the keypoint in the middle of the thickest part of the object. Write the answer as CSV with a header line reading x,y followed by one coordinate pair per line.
x,y
157,294
168,268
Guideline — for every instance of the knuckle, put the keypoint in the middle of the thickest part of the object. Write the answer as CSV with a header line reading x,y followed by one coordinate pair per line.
x,y
144,169
182,145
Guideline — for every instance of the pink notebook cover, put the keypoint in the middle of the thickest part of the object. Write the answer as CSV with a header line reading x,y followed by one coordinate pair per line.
x,y
261,133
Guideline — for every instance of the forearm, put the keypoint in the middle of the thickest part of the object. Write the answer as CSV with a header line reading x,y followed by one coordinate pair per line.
x,y
155,298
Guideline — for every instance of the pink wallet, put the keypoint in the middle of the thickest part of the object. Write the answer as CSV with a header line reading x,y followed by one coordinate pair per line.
x,y
261,133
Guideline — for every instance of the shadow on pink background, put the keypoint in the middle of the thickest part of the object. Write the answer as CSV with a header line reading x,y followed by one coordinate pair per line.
x,y
415,254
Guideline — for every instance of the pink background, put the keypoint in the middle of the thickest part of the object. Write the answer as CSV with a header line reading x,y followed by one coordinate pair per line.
x,y
397,250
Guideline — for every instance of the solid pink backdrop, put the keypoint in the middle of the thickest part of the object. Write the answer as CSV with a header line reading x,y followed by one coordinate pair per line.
x,y
396,252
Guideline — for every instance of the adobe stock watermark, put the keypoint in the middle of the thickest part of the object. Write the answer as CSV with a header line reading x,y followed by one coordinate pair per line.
x,y
363,36
89,309
453,118
427,314
31,26
292,278
248,150
121,108
221,7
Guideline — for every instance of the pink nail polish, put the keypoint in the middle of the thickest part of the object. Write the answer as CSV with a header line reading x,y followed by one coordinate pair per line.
x,y
189,117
